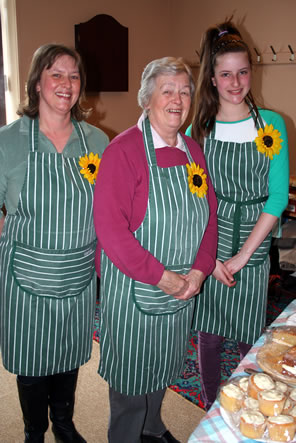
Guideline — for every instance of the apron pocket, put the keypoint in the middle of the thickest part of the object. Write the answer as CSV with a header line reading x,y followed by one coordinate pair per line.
x,y
151,300
53,273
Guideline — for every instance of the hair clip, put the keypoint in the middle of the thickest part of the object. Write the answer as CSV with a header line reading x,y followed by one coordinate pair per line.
x,y
221,33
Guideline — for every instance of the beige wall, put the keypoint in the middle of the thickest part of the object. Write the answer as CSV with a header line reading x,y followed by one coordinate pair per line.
x,y
41,21
169,27
262,23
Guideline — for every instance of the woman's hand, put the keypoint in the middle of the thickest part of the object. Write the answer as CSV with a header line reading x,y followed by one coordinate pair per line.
x,y
223,275
237,262
173,284
262,228
195,278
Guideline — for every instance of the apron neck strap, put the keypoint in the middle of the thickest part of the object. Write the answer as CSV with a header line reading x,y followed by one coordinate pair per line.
x,y
148,142
149,145
257,119
34,135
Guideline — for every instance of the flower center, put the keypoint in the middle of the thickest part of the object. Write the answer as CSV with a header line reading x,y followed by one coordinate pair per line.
x,y
91,168
268,141
197,180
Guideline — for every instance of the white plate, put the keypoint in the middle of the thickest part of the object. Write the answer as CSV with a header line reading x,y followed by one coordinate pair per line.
x,y
232,420
292,320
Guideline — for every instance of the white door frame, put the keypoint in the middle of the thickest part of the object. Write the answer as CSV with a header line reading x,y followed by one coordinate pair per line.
x,y
10,58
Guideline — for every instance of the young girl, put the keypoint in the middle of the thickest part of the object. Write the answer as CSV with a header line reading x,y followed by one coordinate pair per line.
x,y
246,150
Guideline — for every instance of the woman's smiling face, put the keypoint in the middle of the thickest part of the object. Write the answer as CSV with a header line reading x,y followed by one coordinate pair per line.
x,y
170,102
232,77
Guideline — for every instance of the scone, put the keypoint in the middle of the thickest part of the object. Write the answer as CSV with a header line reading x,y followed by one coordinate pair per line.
x,y
250,403
231,397
293,394
279,385
281,428
293,413
252,424
271,402
259,382
243,384
287,406
285,335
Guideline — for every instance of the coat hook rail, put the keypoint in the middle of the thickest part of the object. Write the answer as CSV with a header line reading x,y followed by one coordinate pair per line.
x,y
274,54
258,55
292,57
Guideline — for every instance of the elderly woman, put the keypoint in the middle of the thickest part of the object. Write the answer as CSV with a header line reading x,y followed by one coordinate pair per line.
x,y
155,217
48,162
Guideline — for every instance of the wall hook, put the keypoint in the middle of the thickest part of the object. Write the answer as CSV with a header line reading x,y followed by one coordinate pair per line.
x,y
274,54
258,56
292,57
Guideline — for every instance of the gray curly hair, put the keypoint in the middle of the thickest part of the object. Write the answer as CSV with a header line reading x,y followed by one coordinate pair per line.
x,y
161,66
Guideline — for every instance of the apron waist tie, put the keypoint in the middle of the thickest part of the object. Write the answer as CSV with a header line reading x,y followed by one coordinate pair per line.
x,y
237,216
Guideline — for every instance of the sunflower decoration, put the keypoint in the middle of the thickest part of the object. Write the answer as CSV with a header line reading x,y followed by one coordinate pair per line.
x,y
197,180
268,141
90,166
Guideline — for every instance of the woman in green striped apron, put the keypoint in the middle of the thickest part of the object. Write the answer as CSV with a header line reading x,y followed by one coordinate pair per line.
x,y
155,217
47,245
247,156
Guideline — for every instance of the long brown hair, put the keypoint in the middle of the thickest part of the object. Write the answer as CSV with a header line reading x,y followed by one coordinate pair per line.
x,y
216,41
43,58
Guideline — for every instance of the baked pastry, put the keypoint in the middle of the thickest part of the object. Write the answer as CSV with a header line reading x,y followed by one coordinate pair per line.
x,y
289,362
259,382
280,386
271,402
285,335
231,397
251,403
288,406
293,394
243,384
281,428
252,424
293,413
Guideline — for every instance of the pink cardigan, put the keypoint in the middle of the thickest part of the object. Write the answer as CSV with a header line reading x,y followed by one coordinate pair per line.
x,y
120,203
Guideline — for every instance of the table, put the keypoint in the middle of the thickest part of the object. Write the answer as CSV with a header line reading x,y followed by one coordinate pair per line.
x,y
212,428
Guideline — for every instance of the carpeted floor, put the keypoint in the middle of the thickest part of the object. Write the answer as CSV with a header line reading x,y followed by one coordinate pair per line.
x,y
188,384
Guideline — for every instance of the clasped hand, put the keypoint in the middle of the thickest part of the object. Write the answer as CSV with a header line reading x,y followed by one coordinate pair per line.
x,y
224,272
180,286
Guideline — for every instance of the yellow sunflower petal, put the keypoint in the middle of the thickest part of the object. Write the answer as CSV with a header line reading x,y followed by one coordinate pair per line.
x,y
90,166
268,141
197,180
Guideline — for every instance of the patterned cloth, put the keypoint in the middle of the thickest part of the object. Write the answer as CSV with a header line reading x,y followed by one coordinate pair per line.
x,y
212,427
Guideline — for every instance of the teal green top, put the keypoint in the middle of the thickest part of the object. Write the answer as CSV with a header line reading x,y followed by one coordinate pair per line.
x,y
279,167
14,150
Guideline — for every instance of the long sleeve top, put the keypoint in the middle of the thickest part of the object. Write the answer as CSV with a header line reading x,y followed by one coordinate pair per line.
x,y
120,202
14,151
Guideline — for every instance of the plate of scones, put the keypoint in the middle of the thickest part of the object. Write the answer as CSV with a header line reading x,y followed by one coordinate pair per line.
x,y
262,406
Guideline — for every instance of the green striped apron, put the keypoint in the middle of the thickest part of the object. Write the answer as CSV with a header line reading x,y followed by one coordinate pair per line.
x,y
144,332
239,174
48,284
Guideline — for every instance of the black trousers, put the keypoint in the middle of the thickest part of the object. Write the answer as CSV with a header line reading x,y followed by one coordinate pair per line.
x,y
134,415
